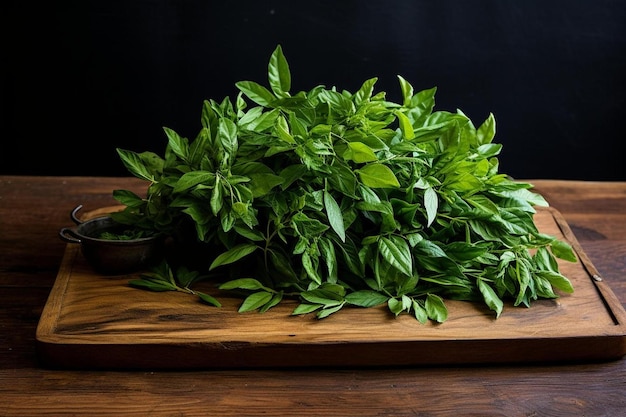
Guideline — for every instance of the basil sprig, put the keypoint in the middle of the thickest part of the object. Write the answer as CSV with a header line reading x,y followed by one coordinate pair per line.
x,y
344,199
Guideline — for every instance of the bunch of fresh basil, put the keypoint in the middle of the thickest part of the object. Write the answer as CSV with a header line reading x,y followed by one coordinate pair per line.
x,y
344,199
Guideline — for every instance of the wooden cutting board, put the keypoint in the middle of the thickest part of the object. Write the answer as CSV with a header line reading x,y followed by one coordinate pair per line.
x,y
99,322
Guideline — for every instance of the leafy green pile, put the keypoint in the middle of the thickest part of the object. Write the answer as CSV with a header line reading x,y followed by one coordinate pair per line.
x,y
345,199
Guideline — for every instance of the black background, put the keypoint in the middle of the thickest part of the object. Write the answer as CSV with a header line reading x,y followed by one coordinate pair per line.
x,y
81,78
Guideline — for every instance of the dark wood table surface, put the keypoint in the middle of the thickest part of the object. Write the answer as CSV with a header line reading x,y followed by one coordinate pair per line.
x,y
33,209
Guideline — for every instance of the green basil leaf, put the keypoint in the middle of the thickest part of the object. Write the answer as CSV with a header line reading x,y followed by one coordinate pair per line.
x,y
256,92
193,178
378,176
483,203
394,305
419,312
261,184
563,250
152,285
334,215
405,126
359,153
328,253
178,144
365,92
274,301
255,301
321,297
244,284
489,150
487,131
263,122
395,250
407,91
217,198
557,280
422,105
135,165
310,264
279,74
233,255
436,308
306,308
227,135
128,198
491,298
208,299
282,130
327,311
366,298
524,277
431,204
526,195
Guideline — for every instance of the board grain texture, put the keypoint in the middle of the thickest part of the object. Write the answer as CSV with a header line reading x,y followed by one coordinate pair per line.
x,y
100,322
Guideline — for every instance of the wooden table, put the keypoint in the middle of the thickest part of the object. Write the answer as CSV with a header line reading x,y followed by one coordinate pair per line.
x,y
33,209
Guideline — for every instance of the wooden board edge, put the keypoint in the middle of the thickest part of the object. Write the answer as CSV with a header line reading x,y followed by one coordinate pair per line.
x,y
612,303
336,355
52,309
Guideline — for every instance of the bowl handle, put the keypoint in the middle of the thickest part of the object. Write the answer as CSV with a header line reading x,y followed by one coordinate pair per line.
x,y
69,235
73,216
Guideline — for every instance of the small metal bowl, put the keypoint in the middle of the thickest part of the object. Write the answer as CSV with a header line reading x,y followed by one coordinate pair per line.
x,y
109,256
